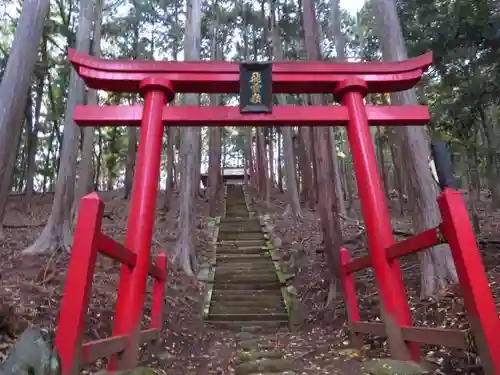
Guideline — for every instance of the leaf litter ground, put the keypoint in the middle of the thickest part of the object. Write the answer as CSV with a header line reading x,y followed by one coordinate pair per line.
x,y
31,289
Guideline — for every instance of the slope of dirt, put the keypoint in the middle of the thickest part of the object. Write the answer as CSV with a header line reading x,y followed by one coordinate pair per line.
x,y
31,287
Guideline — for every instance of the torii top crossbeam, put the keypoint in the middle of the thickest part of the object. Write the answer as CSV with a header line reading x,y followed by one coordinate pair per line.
x,y
223,76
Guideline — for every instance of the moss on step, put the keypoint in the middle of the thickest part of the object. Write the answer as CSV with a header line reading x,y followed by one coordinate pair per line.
x,y
248,356
392,367
245,336
135,371
249,344
263,365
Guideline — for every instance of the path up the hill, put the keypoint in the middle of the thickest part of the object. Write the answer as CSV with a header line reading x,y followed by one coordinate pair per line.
x,y
246,291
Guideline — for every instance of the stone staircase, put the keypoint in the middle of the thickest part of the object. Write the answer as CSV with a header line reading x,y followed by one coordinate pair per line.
x,y
246,290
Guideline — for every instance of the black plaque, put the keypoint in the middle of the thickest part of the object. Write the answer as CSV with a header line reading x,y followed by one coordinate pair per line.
x,y
256,87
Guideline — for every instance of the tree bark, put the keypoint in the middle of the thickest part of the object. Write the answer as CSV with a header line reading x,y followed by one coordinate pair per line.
x,y
185,247
323,164
288,154
15,84
306,166
172,132
215,133
438,269
33,137
340,49
86,178
57,232
264,182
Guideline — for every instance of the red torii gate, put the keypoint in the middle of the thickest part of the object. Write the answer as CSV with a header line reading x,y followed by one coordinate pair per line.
x,y
158,82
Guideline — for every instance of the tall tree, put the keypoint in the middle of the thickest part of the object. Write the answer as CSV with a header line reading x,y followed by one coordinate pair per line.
x,y
185,247
32,135
289,155
85,184
14,88
215,132
323,164
57,232
438,269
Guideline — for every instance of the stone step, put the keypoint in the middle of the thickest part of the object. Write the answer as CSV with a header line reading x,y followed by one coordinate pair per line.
x,y
243,243
275,302
248,317
245,272
248,285
243,263
234,221
233,245
269,301
235,251
246,256
265,326
239,214
225,236
240,278
230,274
237,229
256,253
239,295
220,309
243,260
254,272
244,267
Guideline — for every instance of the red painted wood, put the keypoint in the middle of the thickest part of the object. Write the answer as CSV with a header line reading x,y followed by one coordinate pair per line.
x,y
481,309
414,244
115,250
132,288
349,287
131,115
103,348
217,67
158,292
358,264
223,76
229,83
375,213
78,284
350,296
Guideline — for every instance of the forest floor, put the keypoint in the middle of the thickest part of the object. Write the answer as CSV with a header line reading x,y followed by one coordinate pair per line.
x,y
31,290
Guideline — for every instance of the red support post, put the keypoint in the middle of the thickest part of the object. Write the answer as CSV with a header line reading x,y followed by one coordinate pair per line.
x,y
349,287
395,310
350,296
78,285
132,289
481,309
158,291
